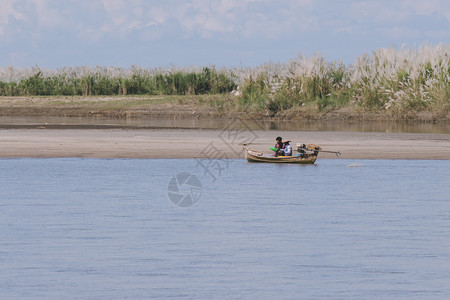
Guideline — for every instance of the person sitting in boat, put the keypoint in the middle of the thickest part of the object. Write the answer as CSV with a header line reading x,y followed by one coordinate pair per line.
x,y
287,148
279,146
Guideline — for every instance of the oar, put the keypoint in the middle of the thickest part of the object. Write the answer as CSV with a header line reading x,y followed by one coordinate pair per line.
x,y
338,153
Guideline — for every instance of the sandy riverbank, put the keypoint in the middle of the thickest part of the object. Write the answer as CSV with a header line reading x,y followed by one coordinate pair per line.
x,y
196,143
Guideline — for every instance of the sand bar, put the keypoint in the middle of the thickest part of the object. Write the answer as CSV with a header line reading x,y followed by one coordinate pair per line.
x,y
197,143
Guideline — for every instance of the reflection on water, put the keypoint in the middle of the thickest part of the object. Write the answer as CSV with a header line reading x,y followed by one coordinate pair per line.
x,y
360,126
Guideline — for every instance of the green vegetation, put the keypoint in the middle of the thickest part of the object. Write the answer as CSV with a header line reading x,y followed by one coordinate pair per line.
x,y
397,82
116,81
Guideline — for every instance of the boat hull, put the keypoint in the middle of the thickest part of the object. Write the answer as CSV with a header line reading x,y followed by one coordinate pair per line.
x,y
255,156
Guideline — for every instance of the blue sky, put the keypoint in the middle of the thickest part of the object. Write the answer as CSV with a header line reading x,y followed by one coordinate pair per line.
x,y
57,33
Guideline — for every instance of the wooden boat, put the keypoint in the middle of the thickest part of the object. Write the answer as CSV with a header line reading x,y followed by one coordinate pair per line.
x,y
301,157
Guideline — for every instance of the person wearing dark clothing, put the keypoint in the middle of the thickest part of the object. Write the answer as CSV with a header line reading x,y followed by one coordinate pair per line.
x,y
279,146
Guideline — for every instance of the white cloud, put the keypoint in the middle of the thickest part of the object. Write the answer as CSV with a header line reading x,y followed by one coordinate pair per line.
x,y
37,13
8,11
429,7
378,12
205,18
295,23
397,20
157,15
249,18
48,16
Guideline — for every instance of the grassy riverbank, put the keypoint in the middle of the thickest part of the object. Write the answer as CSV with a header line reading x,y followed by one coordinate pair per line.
x,y
390,83
193,106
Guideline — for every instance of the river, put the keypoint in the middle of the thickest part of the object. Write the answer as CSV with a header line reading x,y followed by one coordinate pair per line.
x,y
73,228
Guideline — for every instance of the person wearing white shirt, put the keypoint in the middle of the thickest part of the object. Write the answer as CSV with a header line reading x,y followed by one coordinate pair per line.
x,y
287,148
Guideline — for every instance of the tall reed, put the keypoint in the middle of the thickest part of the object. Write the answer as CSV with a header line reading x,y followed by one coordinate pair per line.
x,y
395,80
390,79
114,81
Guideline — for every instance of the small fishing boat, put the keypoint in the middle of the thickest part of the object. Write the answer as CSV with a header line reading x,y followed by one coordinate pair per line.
x,y
306,154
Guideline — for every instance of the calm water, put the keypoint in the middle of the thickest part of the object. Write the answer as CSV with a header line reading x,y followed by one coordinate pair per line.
x,y
365,126
341,229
